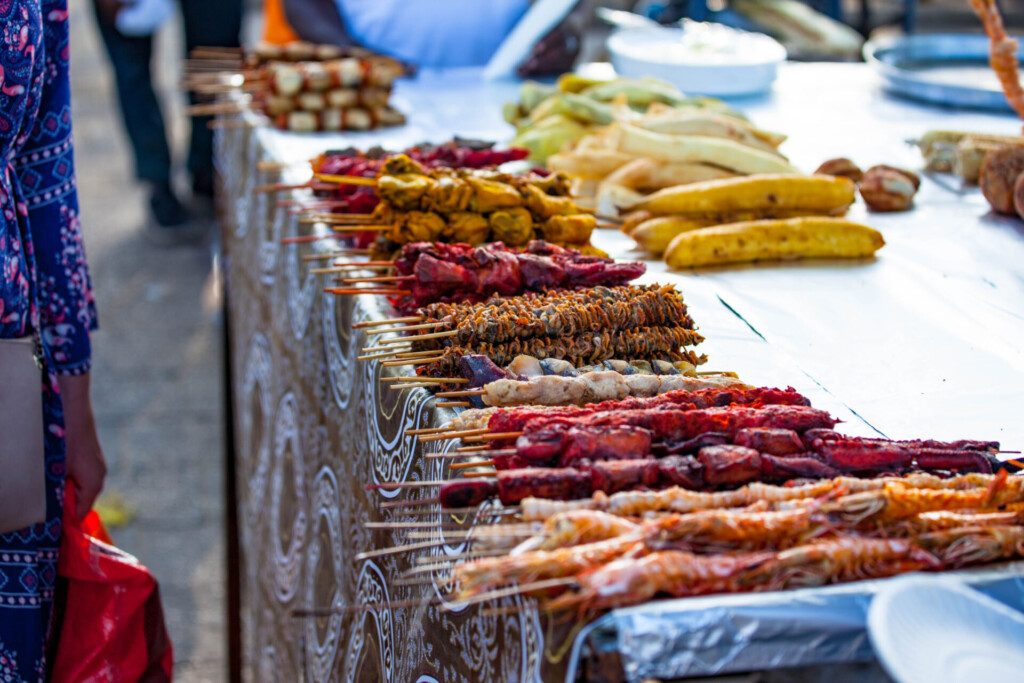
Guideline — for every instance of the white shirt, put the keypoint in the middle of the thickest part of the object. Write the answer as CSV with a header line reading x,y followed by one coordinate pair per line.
x,y
432,33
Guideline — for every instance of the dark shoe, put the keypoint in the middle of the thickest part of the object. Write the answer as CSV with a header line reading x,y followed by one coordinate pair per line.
x,y
166,209
202,183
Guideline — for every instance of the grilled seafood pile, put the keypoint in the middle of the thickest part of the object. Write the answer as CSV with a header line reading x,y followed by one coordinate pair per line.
x,y
755,538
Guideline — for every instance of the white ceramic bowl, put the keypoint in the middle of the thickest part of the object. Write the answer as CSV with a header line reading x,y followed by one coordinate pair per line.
x,y
699,59
936,630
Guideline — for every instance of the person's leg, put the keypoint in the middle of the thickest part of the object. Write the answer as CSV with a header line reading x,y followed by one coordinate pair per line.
x,y
143,121
215,24
140,109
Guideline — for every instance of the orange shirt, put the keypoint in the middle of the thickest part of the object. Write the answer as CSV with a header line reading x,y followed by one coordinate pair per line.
x,y
276,29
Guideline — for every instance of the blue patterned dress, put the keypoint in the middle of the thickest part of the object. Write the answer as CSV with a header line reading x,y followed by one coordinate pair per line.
x,y
44,288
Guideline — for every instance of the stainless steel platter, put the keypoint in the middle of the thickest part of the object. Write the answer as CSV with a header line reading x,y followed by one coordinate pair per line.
x,y
946,69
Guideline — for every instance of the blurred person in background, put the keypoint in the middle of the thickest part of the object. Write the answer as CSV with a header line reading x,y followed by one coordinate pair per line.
x,y
425,33
127,28
44,292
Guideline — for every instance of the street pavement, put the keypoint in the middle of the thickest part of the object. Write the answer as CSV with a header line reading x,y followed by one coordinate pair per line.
x,y
157,362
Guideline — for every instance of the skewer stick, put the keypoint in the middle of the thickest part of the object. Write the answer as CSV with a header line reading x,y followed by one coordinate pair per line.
x,y
462,392
331,270
415,354
430,380
380,278
462,433
432,335
391,350
410,361
327,255
451,561
497,436
345,217
369,227
375,356
398,549
415,502
396,485
348,291
412,525
471,463
421,326
390,321
267,165
346,179
304,239
454,404
415,385
423,431
301,613
471,449
479,475
509,592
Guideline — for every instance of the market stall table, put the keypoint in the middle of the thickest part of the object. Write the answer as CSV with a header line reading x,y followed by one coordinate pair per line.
x,y
922,341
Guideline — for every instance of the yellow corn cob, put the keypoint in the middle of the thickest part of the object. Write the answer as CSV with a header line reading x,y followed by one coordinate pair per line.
x,y
769,192
773,240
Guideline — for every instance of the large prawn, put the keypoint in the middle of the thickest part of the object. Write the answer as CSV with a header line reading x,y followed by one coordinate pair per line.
x,y
843,558
675,572
485,574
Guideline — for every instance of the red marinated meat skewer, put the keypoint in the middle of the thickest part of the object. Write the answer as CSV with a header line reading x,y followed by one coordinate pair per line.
x,y
713,467
460,272
515,419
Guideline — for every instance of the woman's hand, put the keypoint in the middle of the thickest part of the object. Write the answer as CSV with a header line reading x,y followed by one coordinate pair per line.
x,y
85,464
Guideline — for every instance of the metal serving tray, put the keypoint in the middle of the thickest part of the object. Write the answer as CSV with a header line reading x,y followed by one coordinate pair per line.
x,y
729,634
942,68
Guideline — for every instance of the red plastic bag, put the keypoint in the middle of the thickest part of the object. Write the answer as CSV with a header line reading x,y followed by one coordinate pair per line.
x,y
112,628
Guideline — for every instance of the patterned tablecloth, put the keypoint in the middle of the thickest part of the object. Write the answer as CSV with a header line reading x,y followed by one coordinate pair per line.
x,y
918,343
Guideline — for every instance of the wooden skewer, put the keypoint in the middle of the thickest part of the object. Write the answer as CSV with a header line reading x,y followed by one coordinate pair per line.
x,y
269,165
369,227
478,533
429,564
331,270
455,455
374,356
471,449
396,485
454,404
494,512
301,613
380,278
509,592
462,392
398,549
344,217
432,335
415,502
415,354
471,463
497,436
346,179
430,380
348,291
421,326
423,431
414,385
304,239
390,321
391,350
412,525
327,255
459,434
479,475
409,361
